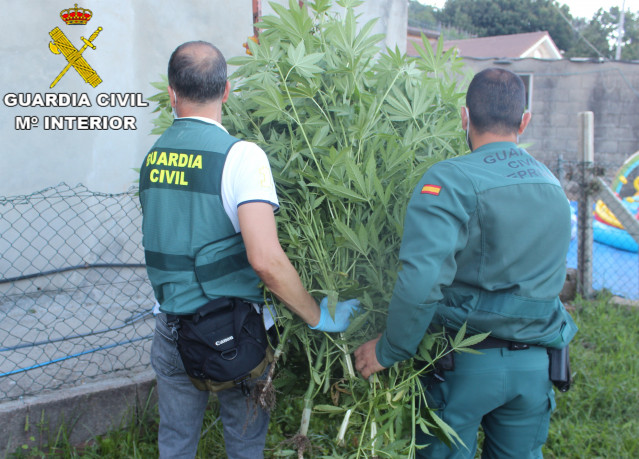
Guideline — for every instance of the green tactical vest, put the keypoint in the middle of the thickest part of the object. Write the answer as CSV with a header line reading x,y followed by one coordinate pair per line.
x,y
193,253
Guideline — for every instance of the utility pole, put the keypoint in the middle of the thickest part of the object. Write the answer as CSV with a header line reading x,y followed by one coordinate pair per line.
x,y
620,30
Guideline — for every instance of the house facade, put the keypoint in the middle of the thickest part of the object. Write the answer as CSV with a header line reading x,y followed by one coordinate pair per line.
x,y
557,90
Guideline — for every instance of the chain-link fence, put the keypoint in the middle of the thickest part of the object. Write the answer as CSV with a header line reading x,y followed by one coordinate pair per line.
x,y
74,297
75,302
612,261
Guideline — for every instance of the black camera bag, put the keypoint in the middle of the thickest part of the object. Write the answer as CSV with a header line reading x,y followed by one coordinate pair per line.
x,y
223,341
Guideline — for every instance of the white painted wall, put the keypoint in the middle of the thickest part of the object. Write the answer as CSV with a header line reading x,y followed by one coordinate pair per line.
x,y
132,50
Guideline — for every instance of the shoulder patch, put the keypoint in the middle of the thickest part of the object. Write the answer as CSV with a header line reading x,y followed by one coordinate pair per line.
x,y
431,189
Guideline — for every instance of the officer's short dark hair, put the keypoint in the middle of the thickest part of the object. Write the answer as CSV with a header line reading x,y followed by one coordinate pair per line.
x,y
197,72
496,100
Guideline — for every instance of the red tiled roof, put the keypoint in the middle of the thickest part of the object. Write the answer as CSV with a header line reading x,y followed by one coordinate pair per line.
x,y
500,46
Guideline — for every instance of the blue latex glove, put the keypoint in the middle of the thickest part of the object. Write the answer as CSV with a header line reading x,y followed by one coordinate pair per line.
x,y
343,312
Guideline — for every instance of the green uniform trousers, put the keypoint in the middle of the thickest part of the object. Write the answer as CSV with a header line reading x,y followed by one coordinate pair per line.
x,y
508,392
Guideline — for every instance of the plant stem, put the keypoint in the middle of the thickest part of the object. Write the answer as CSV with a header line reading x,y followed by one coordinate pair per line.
x,y
308,396
268,383
342,429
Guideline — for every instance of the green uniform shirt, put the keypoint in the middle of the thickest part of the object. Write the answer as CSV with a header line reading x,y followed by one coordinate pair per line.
x,y
485,242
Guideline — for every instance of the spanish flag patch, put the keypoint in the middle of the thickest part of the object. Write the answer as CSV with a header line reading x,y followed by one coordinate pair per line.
x,y
431,189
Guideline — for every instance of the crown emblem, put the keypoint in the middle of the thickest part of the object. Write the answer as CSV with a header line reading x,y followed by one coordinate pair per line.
x,y
75,15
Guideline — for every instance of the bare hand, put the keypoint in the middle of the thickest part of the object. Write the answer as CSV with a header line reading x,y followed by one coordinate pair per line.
x,y
366,358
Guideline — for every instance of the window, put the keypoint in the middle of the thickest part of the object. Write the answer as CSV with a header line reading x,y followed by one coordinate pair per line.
x,y
527,78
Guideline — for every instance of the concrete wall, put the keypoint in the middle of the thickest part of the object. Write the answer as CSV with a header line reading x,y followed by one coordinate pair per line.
x,y
391,20
563,88
80,412
132,50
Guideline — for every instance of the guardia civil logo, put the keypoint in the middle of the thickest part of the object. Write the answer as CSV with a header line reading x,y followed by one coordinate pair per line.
x,y
60,114
74,57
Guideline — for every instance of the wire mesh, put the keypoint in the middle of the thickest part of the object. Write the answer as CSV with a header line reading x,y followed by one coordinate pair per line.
x,y
614,260
75,301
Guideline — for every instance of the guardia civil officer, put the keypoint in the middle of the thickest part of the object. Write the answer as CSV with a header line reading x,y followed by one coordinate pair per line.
x,y
204,191
485,243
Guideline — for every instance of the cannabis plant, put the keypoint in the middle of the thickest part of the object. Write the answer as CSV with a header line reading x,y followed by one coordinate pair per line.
x,y
349,129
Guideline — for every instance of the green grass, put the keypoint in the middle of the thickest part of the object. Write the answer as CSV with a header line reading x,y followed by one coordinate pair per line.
x,y
597,418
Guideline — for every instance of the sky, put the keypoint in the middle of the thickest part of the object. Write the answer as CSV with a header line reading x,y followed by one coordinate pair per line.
x,y
578,8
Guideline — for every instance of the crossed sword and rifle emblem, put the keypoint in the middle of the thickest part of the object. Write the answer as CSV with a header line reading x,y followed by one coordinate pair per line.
x,y
61,44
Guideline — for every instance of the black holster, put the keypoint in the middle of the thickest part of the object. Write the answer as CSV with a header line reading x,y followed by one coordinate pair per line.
x,y
559,368
444,364
436,374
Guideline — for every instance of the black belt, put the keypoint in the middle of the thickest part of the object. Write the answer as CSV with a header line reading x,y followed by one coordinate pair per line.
x,y
175,318
217,303
492,343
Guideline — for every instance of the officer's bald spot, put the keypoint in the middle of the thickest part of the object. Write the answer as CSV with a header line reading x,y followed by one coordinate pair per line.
x,y
201,56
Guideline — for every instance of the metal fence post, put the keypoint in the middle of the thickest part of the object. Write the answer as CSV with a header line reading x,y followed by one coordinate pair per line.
x,y
586,200
561,172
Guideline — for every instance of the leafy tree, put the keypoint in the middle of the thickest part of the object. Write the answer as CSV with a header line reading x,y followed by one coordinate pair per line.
x,y
630,42
503,17
590,39
428,17
578,37
424,16
601,33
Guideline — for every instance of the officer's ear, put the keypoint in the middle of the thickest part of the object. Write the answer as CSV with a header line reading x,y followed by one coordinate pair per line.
x,y
464,118
227,91
525,119
172,96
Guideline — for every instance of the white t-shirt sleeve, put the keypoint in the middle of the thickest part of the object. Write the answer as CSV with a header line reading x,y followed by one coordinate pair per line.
x,y
246,177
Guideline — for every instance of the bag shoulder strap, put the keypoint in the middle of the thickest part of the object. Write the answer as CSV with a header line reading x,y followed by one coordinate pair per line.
x,y
212,306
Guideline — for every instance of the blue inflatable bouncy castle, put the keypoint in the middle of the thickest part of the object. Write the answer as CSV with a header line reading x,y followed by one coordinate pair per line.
x,y
606,228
